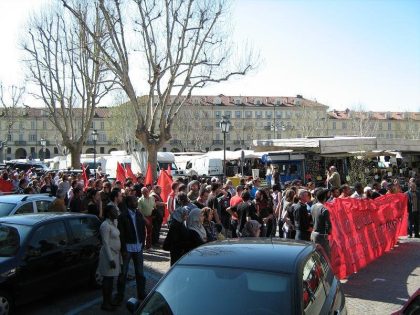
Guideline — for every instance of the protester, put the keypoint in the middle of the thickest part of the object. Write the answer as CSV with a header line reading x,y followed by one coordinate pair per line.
x,y
131,225
171,203
213,201
157,214
94,203
252,228
287,216
201,201
197,232
209,225
76,203
58,205
358,194
321,219
413,208
302,219
345,191
109,256
264,212
116,198
146,205
177,241
333,177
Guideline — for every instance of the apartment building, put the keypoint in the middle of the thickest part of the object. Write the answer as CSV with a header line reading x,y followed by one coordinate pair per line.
x,y
198,125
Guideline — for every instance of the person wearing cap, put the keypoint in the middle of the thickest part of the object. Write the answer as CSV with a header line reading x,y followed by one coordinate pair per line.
x,y
321,220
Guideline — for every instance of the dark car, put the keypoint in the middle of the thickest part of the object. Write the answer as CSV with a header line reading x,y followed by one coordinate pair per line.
x,y
42,253
23,204
252,276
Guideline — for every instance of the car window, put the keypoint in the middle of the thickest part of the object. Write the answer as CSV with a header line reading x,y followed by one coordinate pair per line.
x,y
328,274
48,237
25,208
244,292
84,228
312,286
6,208
43,205
9,241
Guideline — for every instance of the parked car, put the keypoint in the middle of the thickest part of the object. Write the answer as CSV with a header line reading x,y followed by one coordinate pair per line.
x,y
253,276
42,253
22,204
412,306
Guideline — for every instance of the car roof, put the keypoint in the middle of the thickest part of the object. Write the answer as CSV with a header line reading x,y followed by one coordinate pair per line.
x,y
33,219
275,255
15,198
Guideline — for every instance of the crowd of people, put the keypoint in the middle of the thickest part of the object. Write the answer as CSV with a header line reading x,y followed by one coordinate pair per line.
x,y
199,211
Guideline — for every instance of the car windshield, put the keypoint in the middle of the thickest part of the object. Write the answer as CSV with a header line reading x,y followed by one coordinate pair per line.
x,y
6,208
12,237
191,290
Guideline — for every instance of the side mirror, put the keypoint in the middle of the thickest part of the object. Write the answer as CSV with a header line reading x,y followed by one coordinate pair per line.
x,y
132,305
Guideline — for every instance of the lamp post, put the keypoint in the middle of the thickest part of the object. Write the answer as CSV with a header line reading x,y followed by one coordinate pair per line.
x,y
94,139
43,144
224,126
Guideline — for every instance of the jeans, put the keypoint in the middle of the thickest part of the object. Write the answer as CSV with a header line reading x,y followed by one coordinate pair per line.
x,y
140,278
413,223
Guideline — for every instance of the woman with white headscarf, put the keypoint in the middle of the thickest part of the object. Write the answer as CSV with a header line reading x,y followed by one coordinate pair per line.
x,y
177,241
198,235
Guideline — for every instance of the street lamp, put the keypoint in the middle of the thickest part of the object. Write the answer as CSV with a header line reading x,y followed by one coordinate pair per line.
x,y
43,144
224,126
94,138
5,148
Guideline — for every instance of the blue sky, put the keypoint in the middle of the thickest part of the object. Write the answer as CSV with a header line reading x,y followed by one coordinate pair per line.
x,y
342,53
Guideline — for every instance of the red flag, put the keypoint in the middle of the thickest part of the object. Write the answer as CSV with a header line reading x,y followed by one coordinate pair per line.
x,y
129,173
84,175
120,174
165,182
149,175
5,186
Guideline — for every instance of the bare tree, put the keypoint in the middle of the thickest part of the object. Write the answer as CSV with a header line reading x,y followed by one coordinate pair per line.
x,y
184,47
363,123
66,66
309,121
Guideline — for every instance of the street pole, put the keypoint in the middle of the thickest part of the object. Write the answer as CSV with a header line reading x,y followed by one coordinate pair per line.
x,y
94,139
274,121
224,154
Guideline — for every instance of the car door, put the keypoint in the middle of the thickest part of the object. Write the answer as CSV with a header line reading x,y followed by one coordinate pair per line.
x,y
26,207
84,245
44,263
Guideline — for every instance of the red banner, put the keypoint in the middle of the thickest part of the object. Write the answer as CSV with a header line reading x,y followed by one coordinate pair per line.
x,y
165,182
364,229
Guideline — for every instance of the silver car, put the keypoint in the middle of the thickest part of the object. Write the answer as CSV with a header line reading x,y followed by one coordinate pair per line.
x,y
21,204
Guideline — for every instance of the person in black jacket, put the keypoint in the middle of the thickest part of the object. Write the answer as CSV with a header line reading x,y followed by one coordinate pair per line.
x,y
177,241
131,224
302,217
322,222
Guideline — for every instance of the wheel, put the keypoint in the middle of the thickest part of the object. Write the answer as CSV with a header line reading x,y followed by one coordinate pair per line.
x,y
6,303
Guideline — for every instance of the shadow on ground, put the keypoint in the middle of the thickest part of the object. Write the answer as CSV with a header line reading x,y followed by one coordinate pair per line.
x,y
391,278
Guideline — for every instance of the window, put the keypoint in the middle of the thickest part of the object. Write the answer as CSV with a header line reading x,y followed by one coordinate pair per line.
x,y
217,114
313,288
33,125
334,125
42,205
227,113
9,137
279,114
84,228
258,114
248,114
48,237
268,114
238,101
102,125
238,114
25,208
344,125
380,126
44,124
20,137
101,150
32,138
389,126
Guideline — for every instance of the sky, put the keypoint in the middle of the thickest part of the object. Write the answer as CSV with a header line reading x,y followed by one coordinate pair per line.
x,y
343,53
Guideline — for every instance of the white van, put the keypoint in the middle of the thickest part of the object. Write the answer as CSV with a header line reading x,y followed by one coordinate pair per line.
x,y
205,166
166,159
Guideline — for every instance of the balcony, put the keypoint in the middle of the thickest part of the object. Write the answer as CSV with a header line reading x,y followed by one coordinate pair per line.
x,y
20,143
217,142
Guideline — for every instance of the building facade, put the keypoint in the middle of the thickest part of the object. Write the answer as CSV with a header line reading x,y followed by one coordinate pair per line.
x,y
198,126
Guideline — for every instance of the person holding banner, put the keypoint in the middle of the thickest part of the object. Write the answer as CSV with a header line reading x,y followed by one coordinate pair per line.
x,y
413,210
321,220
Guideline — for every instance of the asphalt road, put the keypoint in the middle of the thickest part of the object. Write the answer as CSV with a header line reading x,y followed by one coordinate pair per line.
x,y
380,288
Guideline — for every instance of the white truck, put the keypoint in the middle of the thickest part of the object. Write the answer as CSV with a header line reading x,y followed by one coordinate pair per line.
x,y
204,166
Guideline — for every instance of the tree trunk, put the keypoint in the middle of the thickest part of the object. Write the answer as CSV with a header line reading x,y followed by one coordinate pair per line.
x,y
152,150
75,156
